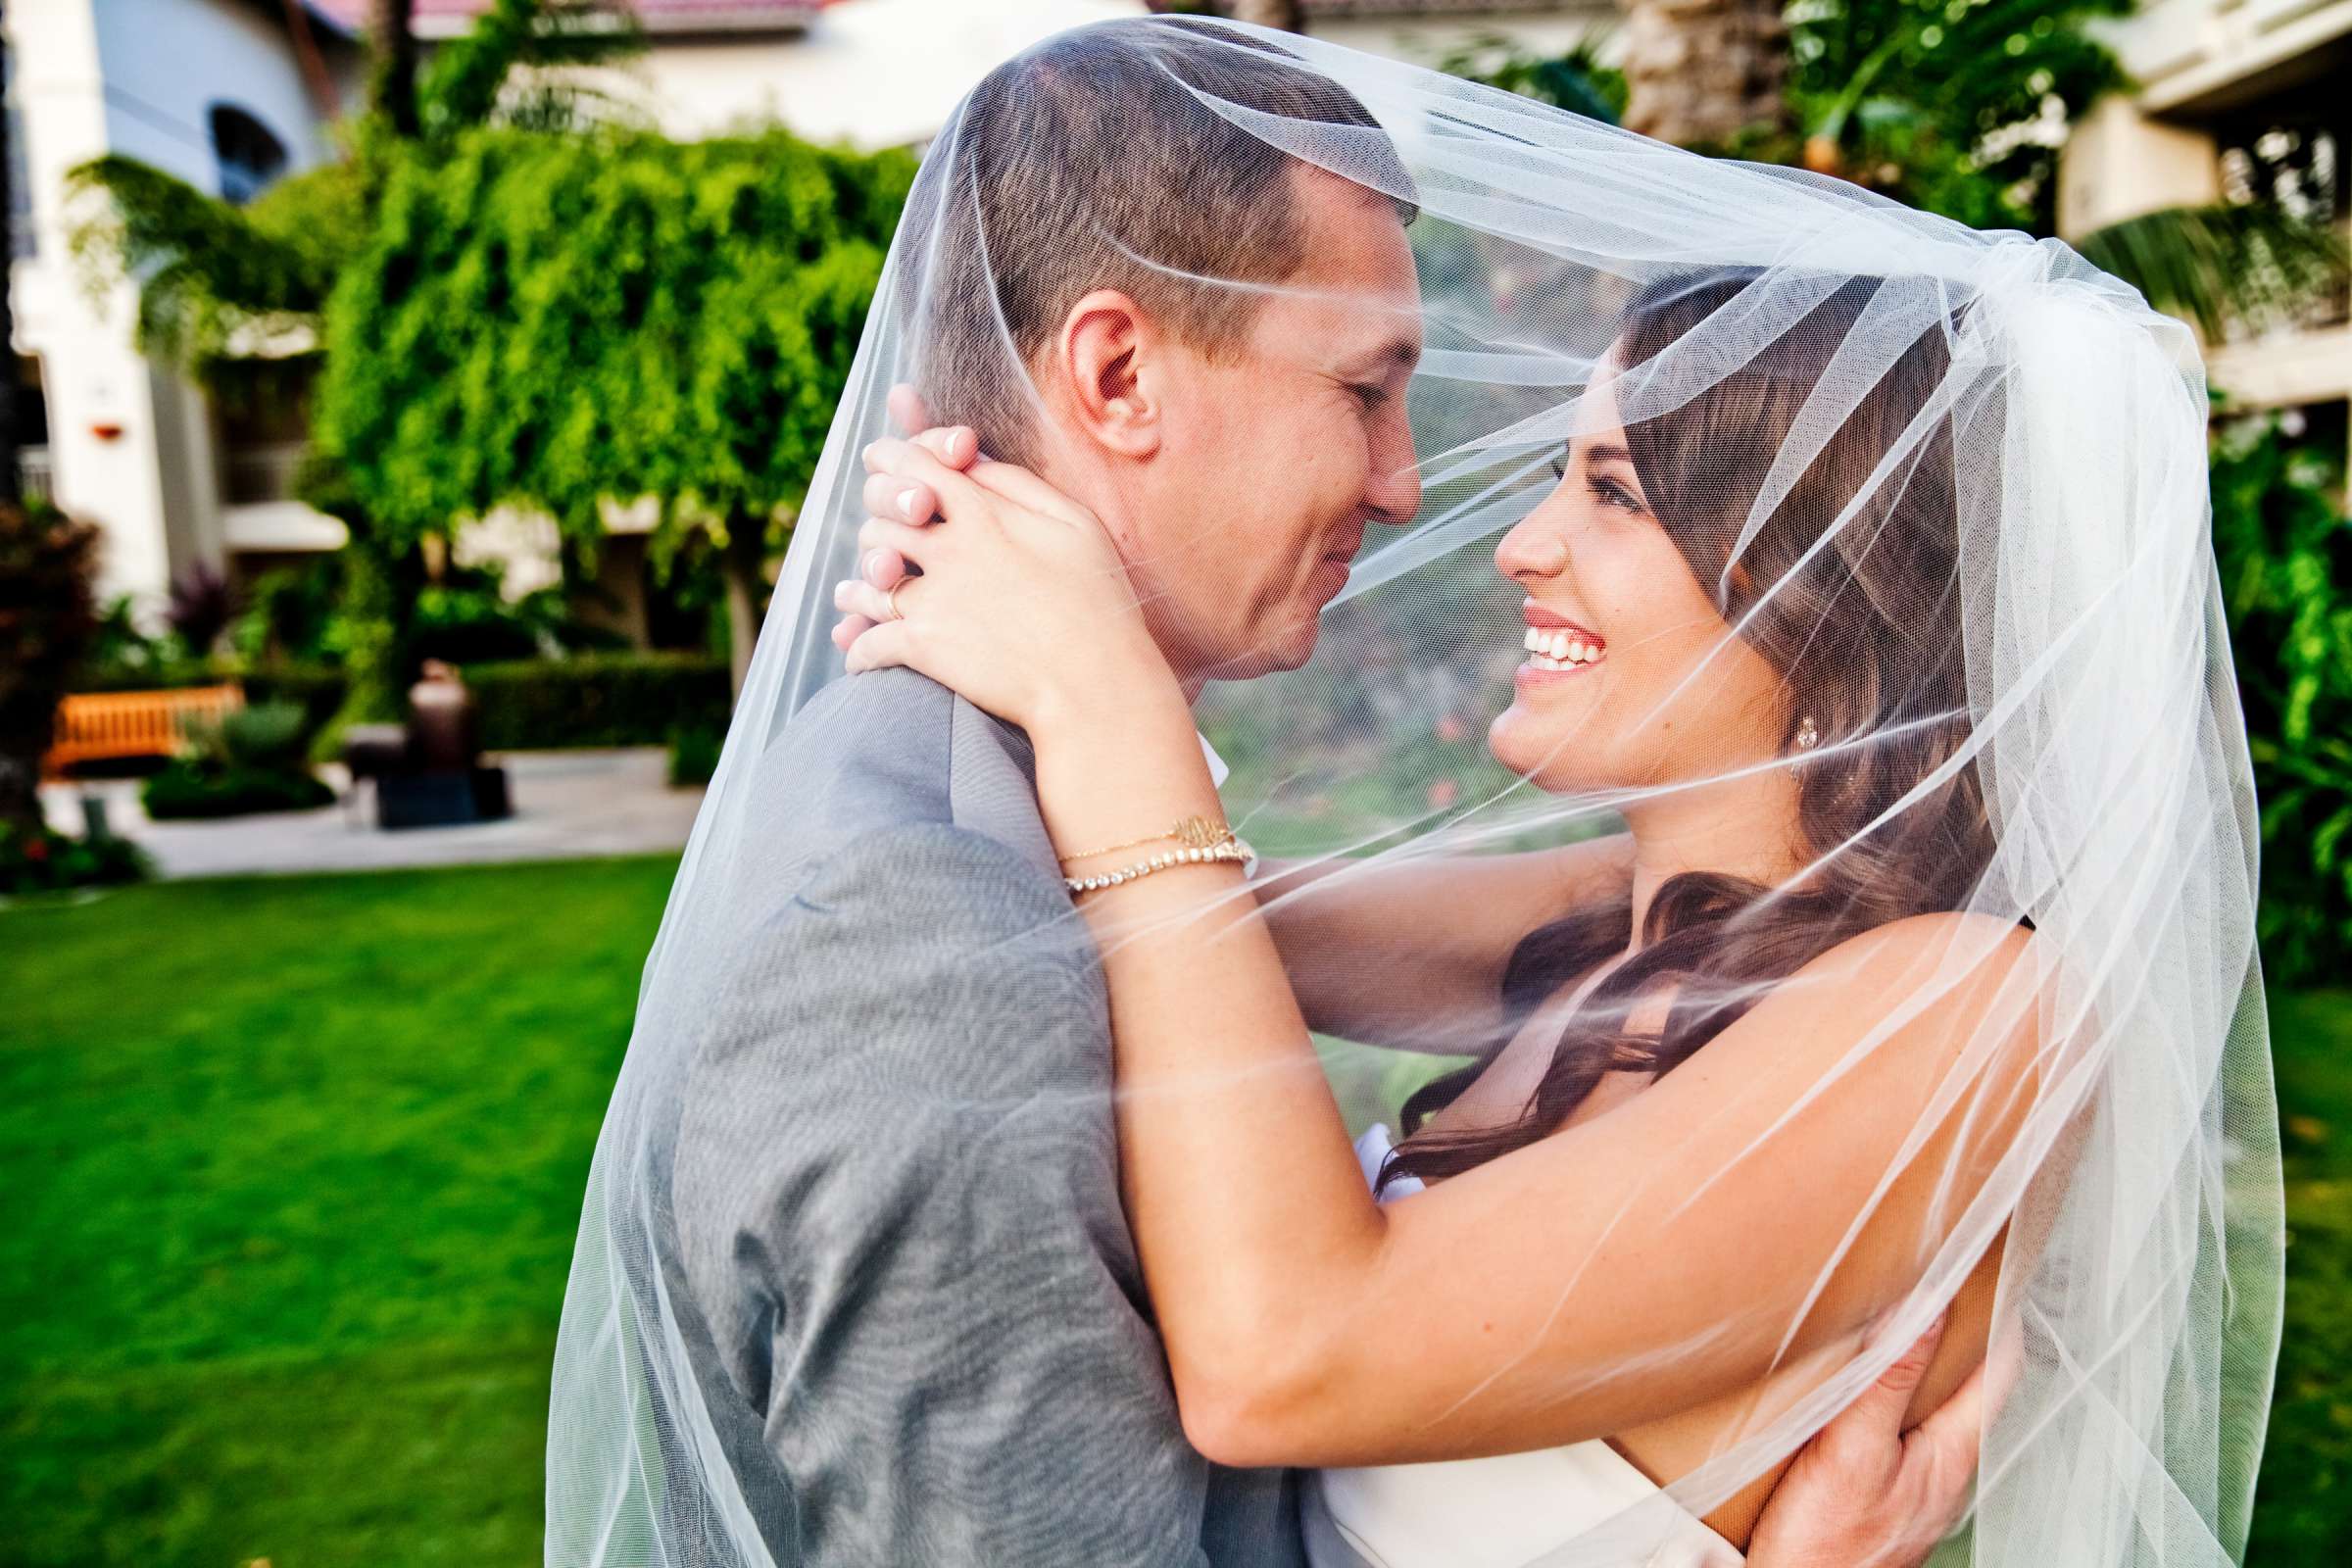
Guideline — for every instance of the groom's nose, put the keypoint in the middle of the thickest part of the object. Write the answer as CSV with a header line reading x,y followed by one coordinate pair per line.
x,y
1394,491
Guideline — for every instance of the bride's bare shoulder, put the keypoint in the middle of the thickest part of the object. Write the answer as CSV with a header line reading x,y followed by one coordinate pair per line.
x,y
1909,1000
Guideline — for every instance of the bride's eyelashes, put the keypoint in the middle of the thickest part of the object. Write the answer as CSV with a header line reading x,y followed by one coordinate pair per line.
x,y
1605,490
1609,493
1371,394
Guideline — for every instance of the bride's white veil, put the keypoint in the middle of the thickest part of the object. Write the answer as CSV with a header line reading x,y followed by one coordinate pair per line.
x,y
1950,485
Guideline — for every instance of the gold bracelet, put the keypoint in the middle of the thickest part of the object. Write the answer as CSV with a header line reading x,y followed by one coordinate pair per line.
x,y
1232,850
1194,832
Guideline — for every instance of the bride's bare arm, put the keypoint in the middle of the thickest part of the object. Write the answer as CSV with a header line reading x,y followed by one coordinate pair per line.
x,y
1411,954
1676,1248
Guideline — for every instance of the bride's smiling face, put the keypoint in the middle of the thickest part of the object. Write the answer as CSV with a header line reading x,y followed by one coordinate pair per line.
x,y
1634,677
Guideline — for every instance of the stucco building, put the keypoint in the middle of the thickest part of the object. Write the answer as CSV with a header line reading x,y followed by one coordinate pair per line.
x,y
2238,100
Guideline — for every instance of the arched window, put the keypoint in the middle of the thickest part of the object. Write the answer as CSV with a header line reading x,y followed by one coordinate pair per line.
x,y
250,156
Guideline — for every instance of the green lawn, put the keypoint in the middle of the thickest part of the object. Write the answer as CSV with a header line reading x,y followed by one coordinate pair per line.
x,y
293,1168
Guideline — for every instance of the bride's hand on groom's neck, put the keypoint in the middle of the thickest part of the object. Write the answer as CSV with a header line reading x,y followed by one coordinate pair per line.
x,y
956,446
1017,598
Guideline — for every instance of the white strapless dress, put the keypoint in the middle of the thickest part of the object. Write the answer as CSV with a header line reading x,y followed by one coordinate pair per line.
x,y
1504,1513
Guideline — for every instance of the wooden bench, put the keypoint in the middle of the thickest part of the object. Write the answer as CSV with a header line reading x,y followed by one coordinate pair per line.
x,y
93,727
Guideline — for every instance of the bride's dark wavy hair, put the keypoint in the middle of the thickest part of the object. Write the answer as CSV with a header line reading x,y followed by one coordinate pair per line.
x,y
1864,630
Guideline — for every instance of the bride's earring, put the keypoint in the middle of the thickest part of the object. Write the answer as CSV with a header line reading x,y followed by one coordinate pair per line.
x,y
1807,737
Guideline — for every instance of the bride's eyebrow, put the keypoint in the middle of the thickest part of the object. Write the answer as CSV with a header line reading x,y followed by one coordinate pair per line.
x,y
1604,452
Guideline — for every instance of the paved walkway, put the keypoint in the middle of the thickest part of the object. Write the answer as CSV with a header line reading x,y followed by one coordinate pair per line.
x,y
567,805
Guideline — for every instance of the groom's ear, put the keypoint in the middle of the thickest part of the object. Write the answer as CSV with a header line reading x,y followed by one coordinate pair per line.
x,y
1109,349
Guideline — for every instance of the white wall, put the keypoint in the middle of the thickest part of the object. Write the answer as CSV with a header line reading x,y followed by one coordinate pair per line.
x,y
136,77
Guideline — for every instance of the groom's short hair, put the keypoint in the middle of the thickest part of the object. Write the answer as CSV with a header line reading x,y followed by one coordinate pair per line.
x,y
1110,157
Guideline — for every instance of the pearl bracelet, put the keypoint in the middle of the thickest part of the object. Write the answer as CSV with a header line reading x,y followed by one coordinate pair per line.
x,y
1232,850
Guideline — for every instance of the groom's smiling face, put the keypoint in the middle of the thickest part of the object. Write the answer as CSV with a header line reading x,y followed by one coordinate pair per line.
x,y
1275,457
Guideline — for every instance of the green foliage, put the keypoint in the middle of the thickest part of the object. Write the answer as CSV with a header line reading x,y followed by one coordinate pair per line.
x,y
317,689
511,67
2286,553
252,759
286,613
563,322
1577,82
597,699
1956,106
216,279
190,787
466,618
265,735
694,753
35,857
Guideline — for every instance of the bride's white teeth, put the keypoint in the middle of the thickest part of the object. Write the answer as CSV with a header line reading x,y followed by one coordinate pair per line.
x,y
1555,648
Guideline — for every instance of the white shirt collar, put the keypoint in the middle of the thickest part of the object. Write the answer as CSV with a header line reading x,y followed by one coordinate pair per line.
x,y
1216,764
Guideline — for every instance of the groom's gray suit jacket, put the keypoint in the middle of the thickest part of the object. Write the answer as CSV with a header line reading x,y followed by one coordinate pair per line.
x,y
909,1291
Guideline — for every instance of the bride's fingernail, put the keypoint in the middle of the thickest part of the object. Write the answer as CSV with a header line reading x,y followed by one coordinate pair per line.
x,y
907,504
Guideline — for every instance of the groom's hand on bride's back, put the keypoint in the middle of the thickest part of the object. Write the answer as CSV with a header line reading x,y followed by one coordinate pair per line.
x,y
1865,1493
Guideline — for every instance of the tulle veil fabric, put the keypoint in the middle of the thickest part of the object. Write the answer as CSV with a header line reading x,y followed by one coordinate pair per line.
x,y
2083,697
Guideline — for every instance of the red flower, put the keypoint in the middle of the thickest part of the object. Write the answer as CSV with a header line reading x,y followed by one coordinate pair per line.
x,y
37,848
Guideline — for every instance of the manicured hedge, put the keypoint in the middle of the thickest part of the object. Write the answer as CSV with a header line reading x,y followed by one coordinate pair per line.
x,y
194,788
597,698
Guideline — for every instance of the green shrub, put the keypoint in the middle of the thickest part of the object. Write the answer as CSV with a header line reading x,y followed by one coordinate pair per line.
x,y
597,699
2285,554
268,737
203,787
694,753
317,689
43,860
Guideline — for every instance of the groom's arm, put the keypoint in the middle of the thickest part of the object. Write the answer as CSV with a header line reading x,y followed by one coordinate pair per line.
x,y
922,1276
1865,1493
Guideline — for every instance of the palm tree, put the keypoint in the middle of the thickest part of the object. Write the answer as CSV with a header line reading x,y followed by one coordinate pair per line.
x,y
1699,72
2228,266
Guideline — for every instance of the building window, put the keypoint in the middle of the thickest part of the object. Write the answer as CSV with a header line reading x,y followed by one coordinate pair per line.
x,y
250,157
261,412
32,410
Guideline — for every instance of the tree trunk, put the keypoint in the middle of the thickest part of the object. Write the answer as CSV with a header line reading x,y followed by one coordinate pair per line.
x,y
1290,16
393,89
48,614
743,559
1699,71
